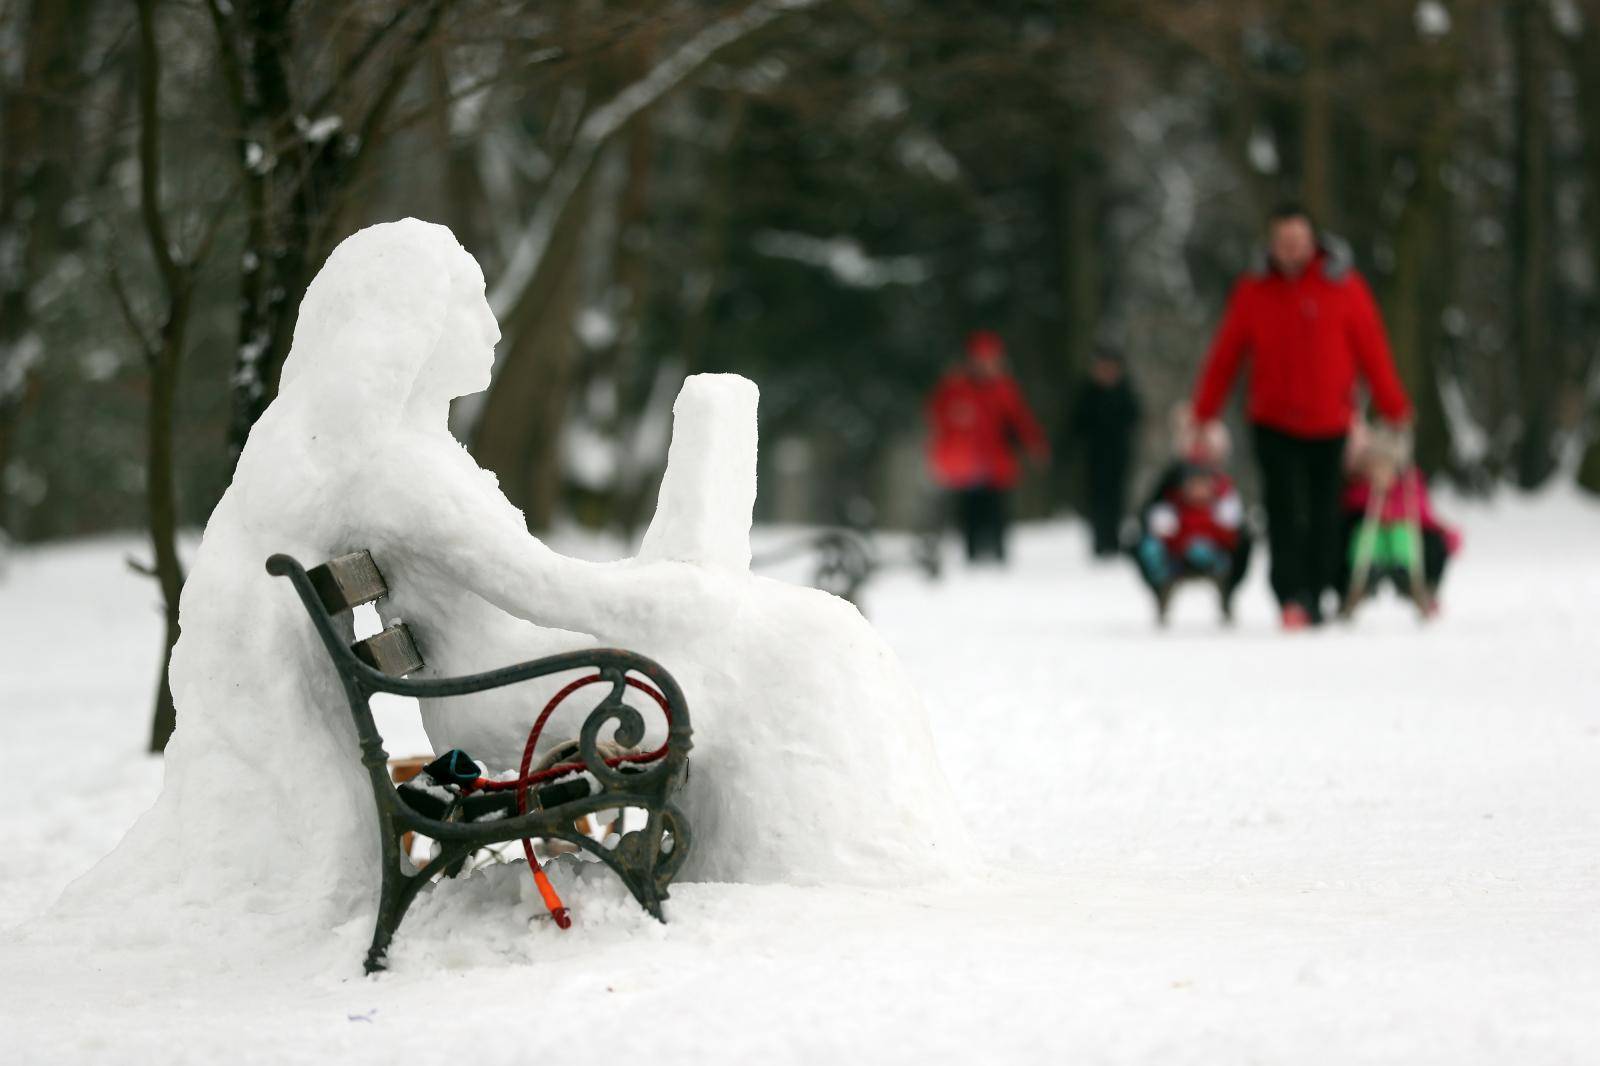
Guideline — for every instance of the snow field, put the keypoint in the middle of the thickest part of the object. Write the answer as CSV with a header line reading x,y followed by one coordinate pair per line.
x,y
1374,844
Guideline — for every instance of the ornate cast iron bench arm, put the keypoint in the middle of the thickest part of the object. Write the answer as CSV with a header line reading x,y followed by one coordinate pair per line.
x,y
640,858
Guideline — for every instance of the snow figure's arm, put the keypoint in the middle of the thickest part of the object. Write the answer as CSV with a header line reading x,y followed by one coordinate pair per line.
x,y
479,541
456,526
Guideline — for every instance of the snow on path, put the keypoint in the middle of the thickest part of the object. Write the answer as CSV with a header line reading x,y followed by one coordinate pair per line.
x,y
1374,844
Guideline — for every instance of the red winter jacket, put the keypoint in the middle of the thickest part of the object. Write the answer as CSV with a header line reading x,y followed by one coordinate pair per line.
x,y
1177,521
976,426
1308,339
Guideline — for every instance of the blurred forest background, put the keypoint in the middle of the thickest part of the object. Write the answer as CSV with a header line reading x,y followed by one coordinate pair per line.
x,y
823,195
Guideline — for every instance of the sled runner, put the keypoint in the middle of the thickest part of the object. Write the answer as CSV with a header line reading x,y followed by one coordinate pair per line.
x,y
1225,585
454,803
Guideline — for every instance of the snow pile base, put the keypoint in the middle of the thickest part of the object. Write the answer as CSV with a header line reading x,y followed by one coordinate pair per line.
x,y
813,760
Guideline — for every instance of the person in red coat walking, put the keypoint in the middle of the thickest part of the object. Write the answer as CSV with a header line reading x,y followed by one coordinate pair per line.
x,y
977,420
1308,329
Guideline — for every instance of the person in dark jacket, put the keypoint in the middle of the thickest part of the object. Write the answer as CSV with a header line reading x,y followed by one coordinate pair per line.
x,y
1308,328
1104,418
978,420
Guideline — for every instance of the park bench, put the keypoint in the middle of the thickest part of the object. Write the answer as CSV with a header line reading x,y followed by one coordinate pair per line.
x,y
464,812
844,560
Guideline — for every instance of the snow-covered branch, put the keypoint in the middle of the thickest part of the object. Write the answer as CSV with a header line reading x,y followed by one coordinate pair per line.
x,y
601,124
843,258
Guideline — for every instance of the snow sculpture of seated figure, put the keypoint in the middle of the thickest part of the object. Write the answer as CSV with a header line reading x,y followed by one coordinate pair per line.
x,y
812,756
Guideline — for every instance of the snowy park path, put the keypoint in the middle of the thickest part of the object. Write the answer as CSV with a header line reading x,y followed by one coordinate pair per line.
x,y
1374,844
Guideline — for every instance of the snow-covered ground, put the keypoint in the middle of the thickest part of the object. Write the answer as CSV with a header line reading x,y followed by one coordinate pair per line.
x,y
1373,844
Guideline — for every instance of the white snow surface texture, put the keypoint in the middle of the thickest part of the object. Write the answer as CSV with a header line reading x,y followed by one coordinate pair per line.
x,y
802,717
1370,844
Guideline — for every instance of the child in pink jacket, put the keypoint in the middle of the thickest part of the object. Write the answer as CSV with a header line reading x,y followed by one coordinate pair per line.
x,y
1391,540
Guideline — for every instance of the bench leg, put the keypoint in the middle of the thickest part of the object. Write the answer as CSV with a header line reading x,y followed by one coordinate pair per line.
x,y
399,889
390,891
638,860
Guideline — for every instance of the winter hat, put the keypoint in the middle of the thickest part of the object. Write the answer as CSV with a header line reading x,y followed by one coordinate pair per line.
x,y
985,346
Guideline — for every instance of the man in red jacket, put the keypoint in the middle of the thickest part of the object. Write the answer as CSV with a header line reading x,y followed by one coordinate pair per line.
x,y
1307,326
977,418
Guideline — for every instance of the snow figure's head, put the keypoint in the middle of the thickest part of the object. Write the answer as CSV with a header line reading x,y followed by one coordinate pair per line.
x,y
394,327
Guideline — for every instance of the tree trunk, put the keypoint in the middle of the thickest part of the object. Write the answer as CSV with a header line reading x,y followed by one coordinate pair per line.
x,y
1589,467
262,106
1581,51
630,284
296,184
163,503
39,157
518,433
1316,117
1413,306
1422,278
1530,246
163,360
1079,220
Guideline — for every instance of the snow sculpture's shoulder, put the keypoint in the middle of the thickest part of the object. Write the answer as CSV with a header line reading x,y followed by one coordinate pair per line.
x,y
709,490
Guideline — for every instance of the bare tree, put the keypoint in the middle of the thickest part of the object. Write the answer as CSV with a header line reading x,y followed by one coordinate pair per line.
x,y
1530,242
307,134
37,142
163,350
516,429
1581,48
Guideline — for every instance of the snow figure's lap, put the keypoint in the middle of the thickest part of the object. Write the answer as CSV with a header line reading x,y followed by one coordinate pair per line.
x,y
812,758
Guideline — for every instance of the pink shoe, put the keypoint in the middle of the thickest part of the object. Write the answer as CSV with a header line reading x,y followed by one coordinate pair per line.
x,y
1295,617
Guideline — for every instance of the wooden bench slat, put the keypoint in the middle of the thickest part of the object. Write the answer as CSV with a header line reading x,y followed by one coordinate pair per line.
x,y
348,581
392,651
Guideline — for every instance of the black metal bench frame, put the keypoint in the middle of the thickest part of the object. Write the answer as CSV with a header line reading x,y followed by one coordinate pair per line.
x,y
845,559
377,664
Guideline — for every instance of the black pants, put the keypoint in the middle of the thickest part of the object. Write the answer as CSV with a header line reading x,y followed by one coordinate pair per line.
x,y
1300,484
1108,499
983,514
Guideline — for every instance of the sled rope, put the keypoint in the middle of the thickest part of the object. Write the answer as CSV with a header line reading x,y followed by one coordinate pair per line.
x,y
1419,588
1366,545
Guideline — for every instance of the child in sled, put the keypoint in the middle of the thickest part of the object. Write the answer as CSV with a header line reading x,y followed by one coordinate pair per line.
x,y
1192,526
1391,531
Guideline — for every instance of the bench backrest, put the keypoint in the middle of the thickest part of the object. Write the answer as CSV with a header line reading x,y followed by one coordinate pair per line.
x,y
348,582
